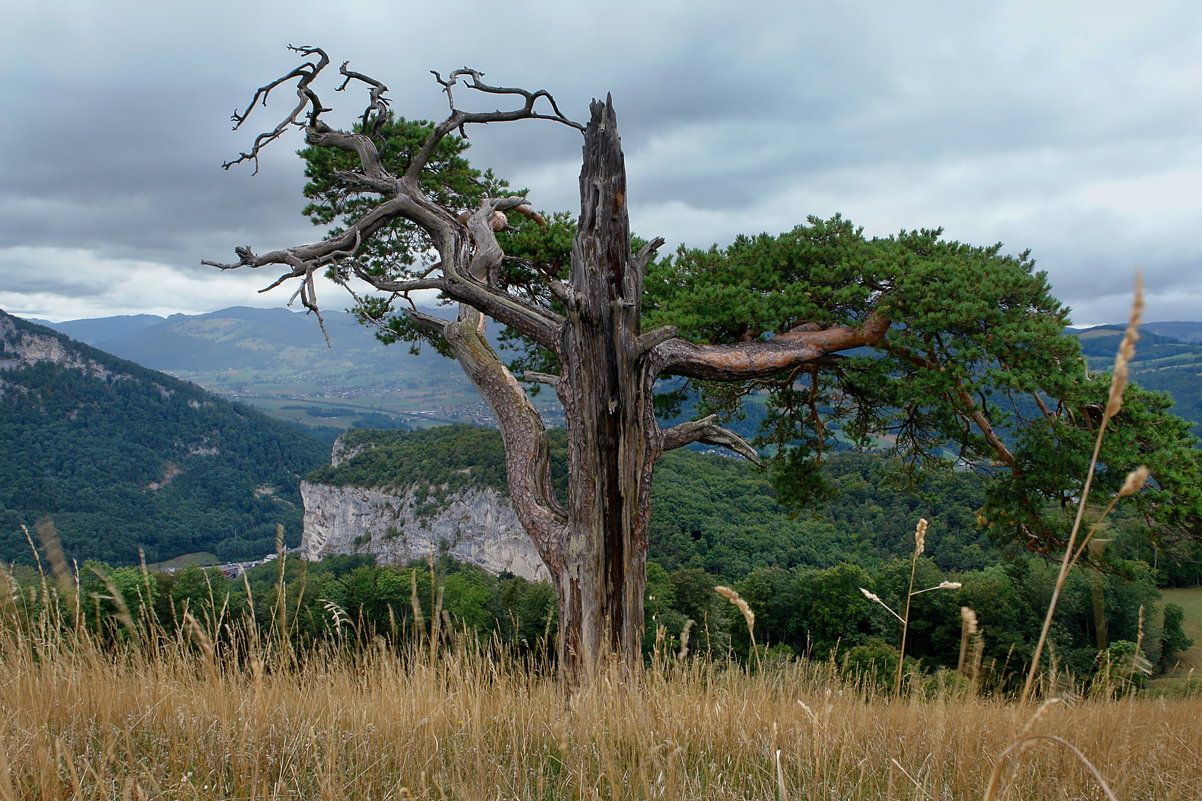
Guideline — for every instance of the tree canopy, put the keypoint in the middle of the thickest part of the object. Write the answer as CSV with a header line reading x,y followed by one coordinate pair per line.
x,y
946,353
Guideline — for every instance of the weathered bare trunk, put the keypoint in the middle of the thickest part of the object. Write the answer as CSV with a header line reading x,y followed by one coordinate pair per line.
x,y
613,439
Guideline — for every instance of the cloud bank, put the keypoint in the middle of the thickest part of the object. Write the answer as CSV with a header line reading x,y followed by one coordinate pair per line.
x,y
1072,129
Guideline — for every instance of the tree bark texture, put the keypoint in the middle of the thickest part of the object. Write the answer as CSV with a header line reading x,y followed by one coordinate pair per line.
x,y
613,438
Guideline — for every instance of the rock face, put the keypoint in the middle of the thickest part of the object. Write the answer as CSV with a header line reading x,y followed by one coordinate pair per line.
x,y
23,348
476,525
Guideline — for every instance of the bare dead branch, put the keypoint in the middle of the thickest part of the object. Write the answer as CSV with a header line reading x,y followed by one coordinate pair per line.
x,y
307,293
379,103
646,253
707,431
540,378
458,118
656,337
304,75
470,263
427,321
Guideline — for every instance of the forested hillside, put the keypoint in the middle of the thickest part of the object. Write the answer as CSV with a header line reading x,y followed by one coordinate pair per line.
x,y
122,457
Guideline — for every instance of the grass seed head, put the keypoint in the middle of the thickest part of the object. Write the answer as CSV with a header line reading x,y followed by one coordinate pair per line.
x,y
969,618
1135,481
734,598
920,536
1118,384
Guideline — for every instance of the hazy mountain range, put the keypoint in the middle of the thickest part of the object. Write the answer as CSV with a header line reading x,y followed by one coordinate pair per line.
x,y
278,361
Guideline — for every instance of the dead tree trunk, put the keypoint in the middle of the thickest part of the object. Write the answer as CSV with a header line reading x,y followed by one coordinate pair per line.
x,y
613,439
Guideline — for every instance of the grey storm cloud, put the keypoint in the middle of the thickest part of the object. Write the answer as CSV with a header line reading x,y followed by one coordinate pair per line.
x,y
1072,129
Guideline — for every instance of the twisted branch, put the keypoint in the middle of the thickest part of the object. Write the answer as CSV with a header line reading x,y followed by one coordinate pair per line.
x,y
470,254
458,118
305,74
707,431
379,103
764,359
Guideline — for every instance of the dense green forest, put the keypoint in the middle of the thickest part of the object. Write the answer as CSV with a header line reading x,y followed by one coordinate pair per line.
x,y
818,613
122,458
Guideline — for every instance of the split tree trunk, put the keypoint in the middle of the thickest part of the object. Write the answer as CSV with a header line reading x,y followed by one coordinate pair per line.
x,y
613,439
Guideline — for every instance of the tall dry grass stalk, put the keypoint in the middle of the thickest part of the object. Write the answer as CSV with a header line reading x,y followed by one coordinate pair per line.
x,y
920,540
748,617
1133,483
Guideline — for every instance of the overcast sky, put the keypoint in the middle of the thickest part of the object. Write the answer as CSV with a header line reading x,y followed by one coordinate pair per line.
x,y
1072,129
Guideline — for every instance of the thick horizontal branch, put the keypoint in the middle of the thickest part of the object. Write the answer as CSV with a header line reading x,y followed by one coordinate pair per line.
x,y
708,432
764,359
318,253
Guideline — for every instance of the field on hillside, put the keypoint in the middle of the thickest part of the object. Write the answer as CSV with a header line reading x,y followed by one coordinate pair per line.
x,y
175,720
1189,599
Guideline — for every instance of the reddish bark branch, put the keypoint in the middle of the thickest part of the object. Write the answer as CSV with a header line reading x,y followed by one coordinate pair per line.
x,y
763,359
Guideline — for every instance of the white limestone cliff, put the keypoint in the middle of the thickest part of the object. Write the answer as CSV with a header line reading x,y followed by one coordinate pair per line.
x,y
475,525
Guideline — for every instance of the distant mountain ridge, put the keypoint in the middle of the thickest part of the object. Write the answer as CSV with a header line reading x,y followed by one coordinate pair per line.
x,y
97,330
278,361
1168,358
1181,330
124,458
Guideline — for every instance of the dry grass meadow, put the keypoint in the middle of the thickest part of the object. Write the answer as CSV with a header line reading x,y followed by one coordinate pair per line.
x,y
172,719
